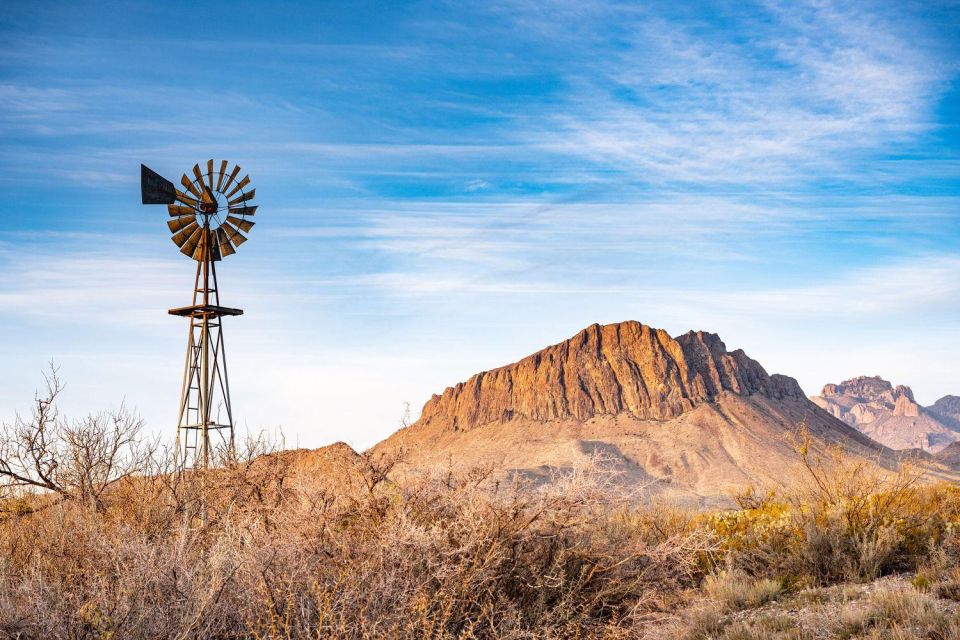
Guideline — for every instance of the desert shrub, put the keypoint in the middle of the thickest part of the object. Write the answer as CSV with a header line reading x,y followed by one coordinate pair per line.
x,y
450,557
858,520
766,628
755,539
889,610
734,590
699,622
64,459
940,580
846,519
906,613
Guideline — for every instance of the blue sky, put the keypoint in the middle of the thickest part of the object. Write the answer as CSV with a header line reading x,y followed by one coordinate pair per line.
x,y
446,187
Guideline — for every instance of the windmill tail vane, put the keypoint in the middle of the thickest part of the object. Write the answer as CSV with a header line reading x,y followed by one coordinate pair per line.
x,y
207,220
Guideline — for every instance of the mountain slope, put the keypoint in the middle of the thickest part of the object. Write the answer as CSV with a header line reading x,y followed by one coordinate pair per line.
x,y
890,415
947,410
949,456
679,416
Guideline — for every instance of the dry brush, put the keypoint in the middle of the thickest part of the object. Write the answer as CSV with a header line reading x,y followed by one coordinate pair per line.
x,y
101,538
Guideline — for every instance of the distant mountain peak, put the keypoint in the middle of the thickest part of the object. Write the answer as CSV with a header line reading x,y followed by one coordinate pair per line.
x,y
869,388
891,415
626,367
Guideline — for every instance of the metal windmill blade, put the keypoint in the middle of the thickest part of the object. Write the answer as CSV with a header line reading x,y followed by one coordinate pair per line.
x,y
236,238
238,186
189,186
210,174
226,249
189,247
243,197
180,210
179,223
185,199
222,174
244,225
233,175
180,237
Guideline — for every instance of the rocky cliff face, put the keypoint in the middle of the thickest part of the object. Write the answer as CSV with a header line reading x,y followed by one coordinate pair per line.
x,y
607,370
890,414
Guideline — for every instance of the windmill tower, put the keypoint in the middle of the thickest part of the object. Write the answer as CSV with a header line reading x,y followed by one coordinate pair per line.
x,y
206,221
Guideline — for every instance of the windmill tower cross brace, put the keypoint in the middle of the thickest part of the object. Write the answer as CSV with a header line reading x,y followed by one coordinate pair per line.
x,y
207,221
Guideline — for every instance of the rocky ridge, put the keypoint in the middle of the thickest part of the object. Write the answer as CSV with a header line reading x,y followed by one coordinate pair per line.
x,y
890,414
681,418
624,368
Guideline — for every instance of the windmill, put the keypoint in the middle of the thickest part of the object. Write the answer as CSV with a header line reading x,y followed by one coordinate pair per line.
x,y
207,221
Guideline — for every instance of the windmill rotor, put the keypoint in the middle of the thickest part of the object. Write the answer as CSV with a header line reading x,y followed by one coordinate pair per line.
x,y
213,198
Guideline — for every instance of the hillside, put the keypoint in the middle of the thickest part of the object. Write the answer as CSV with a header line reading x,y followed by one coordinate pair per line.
x,y
947,409
681,417
949,456
890,415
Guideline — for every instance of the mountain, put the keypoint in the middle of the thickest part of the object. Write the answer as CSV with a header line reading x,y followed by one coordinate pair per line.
x,y
947,409
890,415
681,417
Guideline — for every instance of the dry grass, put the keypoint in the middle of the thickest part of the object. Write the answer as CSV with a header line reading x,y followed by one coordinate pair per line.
x,y
252,550
444,558
891,609
735,591
260,548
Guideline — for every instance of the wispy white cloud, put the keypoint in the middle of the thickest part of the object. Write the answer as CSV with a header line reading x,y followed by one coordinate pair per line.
x,y
815,90
95,280
806,95
924,285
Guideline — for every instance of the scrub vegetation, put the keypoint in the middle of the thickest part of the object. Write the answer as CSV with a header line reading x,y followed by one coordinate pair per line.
x,y
100,538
